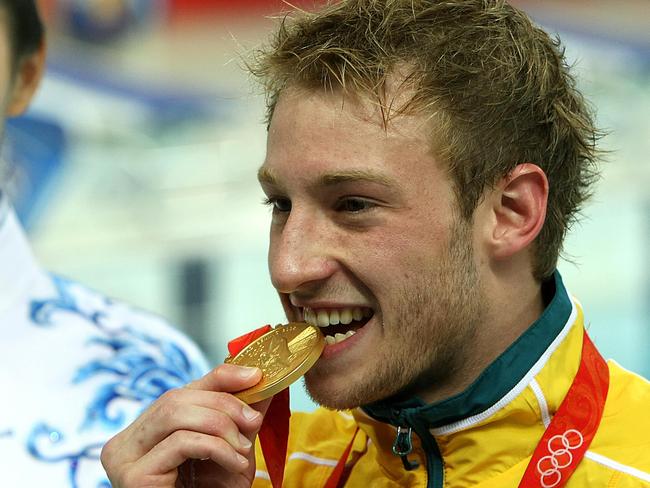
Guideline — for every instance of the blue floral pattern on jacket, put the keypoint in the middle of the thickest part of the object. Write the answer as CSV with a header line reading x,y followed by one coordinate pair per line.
x,y
135,369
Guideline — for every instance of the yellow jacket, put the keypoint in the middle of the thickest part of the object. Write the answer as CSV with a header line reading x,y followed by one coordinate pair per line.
x,y
484,436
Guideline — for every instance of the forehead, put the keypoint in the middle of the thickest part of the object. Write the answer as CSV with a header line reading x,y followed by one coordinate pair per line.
x,y
382,112
319,142
330,126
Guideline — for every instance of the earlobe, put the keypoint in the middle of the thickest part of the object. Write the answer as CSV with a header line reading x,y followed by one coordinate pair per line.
x,y
27,79
519,207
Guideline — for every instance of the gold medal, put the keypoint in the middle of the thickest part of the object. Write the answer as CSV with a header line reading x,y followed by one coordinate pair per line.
x,y
284,354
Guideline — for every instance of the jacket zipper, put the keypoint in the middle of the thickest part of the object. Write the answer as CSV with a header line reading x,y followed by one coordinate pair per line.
x,y
435,467
403,446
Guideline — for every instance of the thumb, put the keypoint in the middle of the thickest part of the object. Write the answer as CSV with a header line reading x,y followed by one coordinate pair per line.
x,y
261,407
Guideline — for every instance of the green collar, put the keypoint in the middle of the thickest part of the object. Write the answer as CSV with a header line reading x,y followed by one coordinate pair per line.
x,y
495,381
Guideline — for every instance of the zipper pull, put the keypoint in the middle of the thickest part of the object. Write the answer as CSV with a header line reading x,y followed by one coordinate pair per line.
x,y
403,446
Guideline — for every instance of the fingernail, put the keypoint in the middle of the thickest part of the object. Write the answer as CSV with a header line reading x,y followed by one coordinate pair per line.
x,y
241,459
244,441
246,372
249,413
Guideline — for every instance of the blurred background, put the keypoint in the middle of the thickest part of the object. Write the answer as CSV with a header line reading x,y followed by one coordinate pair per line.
x,y
134,171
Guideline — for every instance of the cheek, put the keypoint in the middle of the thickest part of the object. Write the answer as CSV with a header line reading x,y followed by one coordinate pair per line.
x,y
387,263
412,244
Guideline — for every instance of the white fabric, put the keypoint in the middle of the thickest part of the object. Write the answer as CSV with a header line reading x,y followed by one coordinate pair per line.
x,y
75,368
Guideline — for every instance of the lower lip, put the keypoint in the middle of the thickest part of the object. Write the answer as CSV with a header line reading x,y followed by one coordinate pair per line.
x,y
332,350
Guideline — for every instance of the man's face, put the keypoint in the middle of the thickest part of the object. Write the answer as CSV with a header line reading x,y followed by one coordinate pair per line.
x,y
365,235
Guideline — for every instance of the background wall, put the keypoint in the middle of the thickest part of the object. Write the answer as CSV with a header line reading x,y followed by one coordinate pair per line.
x,y
150,136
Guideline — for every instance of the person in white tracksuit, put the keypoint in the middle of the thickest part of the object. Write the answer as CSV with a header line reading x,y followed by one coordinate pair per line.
x,y
75,366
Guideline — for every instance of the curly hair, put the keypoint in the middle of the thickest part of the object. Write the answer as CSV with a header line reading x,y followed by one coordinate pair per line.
x,y
497,87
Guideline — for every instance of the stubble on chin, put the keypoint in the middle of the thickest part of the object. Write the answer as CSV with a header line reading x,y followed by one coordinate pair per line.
x,y
438,314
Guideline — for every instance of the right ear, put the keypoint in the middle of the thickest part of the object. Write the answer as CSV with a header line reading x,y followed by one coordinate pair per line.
x,y
27,79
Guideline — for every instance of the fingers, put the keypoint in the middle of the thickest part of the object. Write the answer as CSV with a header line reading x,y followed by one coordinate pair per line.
x,y
182,445
158,468
228,378
222,413
262,408
204,420
218,414
201,421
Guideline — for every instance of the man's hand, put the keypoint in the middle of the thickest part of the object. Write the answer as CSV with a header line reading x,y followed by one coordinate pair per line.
x,y
191,437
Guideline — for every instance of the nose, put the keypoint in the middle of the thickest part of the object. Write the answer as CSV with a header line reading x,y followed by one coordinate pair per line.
x,y
299,253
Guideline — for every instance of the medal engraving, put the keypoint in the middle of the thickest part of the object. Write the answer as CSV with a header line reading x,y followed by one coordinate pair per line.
x,y
284,354
277,356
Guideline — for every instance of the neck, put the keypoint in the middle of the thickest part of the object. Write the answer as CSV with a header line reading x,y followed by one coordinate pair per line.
x,y
509,309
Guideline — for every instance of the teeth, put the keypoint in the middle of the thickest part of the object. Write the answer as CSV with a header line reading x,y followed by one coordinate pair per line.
x,y
338,337
309,316
345,316
334,317
323,319
357,314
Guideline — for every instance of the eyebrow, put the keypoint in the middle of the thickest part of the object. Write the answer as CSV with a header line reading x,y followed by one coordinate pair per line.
x,y
355,175
266,176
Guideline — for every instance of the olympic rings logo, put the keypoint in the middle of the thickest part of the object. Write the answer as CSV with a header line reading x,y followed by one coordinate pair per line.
x,y
560,446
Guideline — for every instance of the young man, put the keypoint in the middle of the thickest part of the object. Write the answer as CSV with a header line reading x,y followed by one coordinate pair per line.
x,y
77,367
425,159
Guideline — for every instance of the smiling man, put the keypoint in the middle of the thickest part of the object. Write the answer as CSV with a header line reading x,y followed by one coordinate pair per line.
x,y
425,160
371,254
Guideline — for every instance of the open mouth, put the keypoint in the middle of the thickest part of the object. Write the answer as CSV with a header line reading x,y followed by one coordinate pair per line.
x,y
339,324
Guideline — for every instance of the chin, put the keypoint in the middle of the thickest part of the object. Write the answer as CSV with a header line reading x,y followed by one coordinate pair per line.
x,y
333,401
338,396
